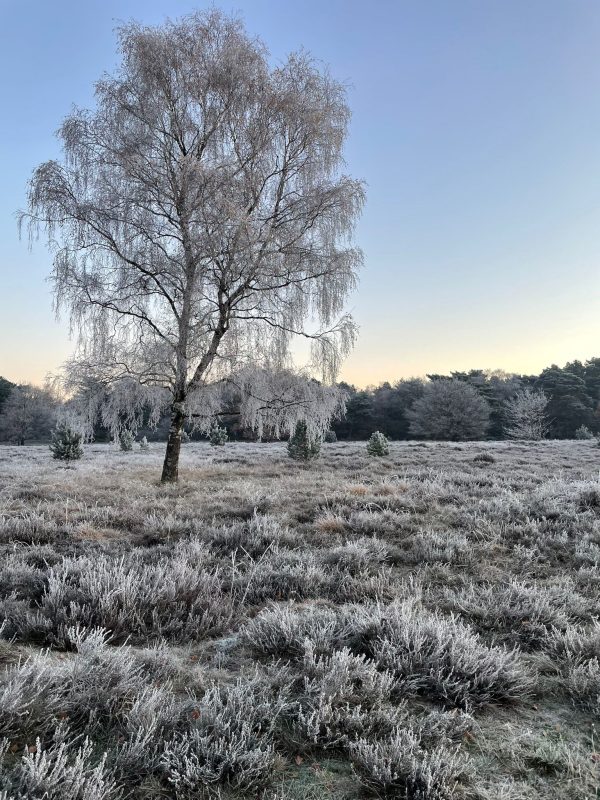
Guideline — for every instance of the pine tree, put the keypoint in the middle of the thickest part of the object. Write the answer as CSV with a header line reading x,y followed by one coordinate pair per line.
x,y
126,441
218,436
66,444
378,445
300,445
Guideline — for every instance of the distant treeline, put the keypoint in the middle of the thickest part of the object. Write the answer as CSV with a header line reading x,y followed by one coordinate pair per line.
x,y
572,393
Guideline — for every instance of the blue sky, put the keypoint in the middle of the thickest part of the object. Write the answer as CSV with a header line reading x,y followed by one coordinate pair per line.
x,y
476,125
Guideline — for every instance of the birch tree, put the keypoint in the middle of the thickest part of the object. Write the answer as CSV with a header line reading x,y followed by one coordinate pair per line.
x,y
526,415
200,218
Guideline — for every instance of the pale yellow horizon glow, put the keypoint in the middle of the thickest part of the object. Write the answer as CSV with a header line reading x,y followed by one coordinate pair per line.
x,y
39,356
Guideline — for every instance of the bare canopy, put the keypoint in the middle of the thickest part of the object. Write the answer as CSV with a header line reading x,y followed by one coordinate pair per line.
x,y
199,217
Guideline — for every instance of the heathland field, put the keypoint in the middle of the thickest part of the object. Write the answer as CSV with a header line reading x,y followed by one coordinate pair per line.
x,y
421,626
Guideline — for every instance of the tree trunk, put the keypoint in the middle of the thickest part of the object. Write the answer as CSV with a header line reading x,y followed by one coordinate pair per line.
x,y
170,472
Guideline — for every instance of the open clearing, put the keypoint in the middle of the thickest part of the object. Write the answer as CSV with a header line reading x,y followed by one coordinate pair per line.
x,y
423,625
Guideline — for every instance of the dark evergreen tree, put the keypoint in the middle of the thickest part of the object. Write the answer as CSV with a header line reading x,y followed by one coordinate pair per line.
x,y
66,444
358,422
391,404
301,446
6,388
570,404
592,379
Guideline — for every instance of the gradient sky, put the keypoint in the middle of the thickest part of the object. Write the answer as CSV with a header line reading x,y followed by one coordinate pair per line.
x,y
476,124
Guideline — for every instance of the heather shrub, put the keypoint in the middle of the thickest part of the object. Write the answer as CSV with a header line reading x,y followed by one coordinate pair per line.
x,y
378,445
516,613
284,575
582,684
360,587
438,657
484,458
348,677
144,445
231,742
28,706
62,771
324,722
357,556
575,653
171,598
344,697
253,538
66,444
283,631
398,766
429,547
97,689
583,432
330,437
574,646
301,445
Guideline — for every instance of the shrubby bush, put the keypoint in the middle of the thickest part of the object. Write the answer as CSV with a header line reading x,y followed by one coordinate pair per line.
x,y
96,690
399,766
438,657
430,547
255,537
484,458
582,683
379,586
283,631
62,771
231,742
574,646
357,556
170,598
285,575
430,655
225,738
344,697
330,437
575,652
517,613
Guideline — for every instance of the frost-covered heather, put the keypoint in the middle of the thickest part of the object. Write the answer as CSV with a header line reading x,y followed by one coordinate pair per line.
x,y
420,625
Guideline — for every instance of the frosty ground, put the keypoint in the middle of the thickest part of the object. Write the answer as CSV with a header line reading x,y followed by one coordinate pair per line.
x,y
423,625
